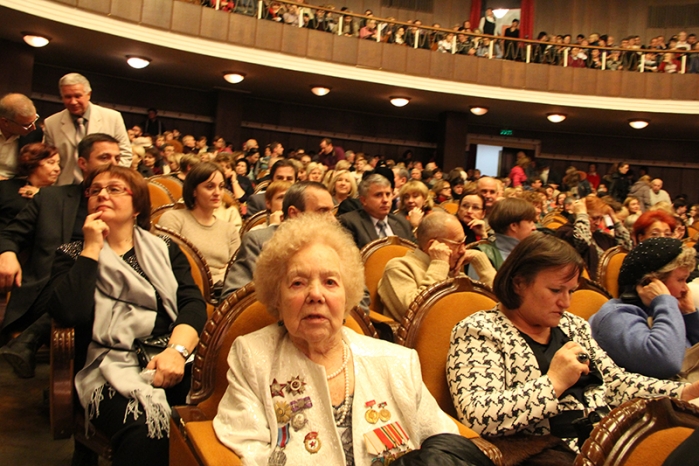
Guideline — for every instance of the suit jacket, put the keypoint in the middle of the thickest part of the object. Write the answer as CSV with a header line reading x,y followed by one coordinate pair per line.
x,y
60,132
256,203
240,273
359,224
45,223
11,202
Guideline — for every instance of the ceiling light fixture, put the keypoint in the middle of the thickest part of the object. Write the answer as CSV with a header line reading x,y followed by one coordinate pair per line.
x,y
35,40
137,62
234,78
320,91
556,117
400,101
499,13
480,111
638,123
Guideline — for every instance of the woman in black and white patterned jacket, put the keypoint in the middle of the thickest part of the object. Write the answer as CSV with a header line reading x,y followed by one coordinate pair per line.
x,y
529,367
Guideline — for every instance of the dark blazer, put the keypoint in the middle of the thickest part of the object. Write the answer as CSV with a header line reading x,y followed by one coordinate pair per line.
x,y
256,203
240,273
359,224
11,202
45,223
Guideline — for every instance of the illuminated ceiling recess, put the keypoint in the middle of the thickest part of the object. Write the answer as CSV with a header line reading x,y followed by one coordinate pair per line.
x,y
234,78
137,62
35,40
480,111
320,91
638,124
556,117
400,101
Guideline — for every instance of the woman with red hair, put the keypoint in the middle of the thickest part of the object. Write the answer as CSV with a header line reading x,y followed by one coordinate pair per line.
x,y
653,224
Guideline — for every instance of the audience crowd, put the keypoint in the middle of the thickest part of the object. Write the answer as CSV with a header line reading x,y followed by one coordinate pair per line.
x,y
658,55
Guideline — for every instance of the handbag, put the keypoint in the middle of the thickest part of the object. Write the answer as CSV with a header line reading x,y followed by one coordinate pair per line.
x,y
146,348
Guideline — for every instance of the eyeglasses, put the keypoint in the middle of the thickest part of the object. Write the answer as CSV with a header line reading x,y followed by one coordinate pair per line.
x,y
112,190
452,242
475,208
26,127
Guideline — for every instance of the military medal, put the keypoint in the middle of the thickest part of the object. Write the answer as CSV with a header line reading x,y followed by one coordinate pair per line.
x,y
278,457
386,442
283,412
384,413
295,386
312,442
277,388
298,419
371,416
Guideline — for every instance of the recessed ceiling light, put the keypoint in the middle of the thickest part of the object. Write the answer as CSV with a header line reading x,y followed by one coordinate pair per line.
x,y
400,101
35,40
480,111
499,13
320,91
234,78
137,62
638,123
556,117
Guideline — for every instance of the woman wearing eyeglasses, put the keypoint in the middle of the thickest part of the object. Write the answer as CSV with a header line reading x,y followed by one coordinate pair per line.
x,y
118,284
471,214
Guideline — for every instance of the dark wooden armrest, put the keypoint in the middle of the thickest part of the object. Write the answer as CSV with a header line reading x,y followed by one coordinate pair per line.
x,y
61,381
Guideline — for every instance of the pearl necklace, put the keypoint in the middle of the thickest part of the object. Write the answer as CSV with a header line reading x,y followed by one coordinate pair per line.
x,y
343,368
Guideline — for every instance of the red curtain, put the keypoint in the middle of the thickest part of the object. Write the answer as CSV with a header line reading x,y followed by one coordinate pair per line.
x,y
526,25
475,14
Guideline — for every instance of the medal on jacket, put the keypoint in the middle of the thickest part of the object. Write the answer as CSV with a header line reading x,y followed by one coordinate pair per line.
x,y
380,441
283,412
384,413
371,416
295,386
298,419
278,457
277,388
312,442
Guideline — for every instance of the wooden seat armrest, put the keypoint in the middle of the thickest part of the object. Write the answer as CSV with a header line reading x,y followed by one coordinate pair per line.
x,y
61,381
189,413
207,447
490,450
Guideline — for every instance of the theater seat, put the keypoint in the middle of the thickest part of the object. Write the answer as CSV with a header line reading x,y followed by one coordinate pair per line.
x,y
608,269
159,195
588,298
171,183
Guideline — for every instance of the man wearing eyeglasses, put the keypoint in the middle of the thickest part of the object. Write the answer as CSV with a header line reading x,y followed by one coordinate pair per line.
x,y
441,254
54,216
66,129
17,119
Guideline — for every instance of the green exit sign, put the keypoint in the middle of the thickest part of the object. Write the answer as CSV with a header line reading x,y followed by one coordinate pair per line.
x,y
506,132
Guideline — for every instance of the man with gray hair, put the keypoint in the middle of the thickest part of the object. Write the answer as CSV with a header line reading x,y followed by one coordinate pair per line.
x,y
17,119
67,128
657,193
374,220
441,254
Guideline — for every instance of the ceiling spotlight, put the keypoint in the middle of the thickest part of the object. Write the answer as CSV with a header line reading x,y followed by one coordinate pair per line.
x,y
499,13
400,101
480,111
35,40
234,78
137,62
556,117
320,91
638,124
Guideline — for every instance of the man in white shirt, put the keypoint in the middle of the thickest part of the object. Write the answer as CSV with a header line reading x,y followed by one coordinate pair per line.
x,y
17,119
657,193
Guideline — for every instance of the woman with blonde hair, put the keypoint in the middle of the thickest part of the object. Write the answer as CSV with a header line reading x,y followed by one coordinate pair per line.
x,y
315,171
343,186
415,201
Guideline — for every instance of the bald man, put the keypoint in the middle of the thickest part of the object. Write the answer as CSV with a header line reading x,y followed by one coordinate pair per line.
x,y
17,120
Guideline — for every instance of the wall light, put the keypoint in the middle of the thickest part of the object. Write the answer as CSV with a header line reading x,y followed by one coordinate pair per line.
x,y
400,101
234,78
137,62
556,117
35,40
499,13
320,91
480,111
638,123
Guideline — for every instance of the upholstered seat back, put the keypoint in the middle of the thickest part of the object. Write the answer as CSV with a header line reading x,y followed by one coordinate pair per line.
x,y
375,256
654,449
172,184
587,299
608,271
159,195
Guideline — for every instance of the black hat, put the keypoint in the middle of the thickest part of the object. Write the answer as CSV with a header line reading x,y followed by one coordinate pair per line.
x,y
648,256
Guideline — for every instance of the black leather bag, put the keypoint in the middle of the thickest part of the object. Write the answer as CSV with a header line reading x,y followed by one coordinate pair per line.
x,y
146,348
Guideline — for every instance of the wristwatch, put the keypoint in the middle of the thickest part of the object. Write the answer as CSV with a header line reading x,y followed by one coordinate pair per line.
x,y
180,349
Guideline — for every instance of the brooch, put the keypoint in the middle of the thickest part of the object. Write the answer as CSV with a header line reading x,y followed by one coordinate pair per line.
x,y
277,388
312,442
295,385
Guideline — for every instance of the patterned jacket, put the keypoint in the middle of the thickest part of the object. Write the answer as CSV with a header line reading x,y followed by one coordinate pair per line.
x,y
497,387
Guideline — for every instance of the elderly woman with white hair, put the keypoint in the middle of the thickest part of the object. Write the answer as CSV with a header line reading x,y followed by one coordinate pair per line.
x,y
309,390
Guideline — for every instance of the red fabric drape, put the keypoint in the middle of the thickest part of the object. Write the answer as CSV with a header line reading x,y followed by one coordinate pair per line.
x,y
526,25
475,14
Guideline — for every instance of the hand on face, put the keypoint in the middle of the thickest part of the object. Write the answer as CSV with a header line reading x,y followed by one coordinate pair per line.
x,y
686,302
477,226
94,231
439,251
652,290
579,207
415,216
565,369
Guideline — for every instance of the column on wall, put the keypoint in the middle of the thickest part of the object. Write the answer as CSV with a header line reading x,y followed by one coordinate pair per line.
x,y
451,150
18,59
229,116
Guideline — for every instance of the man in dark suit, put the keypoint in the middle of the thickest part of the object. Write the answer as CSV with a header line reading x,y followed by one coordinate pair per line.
x,y
53,217
17,127
374,220
306,196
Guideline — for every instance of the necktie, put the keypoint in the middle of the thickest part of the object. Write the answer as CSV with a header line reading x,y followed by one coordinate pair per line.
x,y
80,130
382,229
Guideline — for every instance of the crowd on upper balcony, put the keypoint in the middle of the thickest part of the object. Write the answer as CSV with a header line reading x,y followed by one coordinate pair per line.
x,y
659,54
